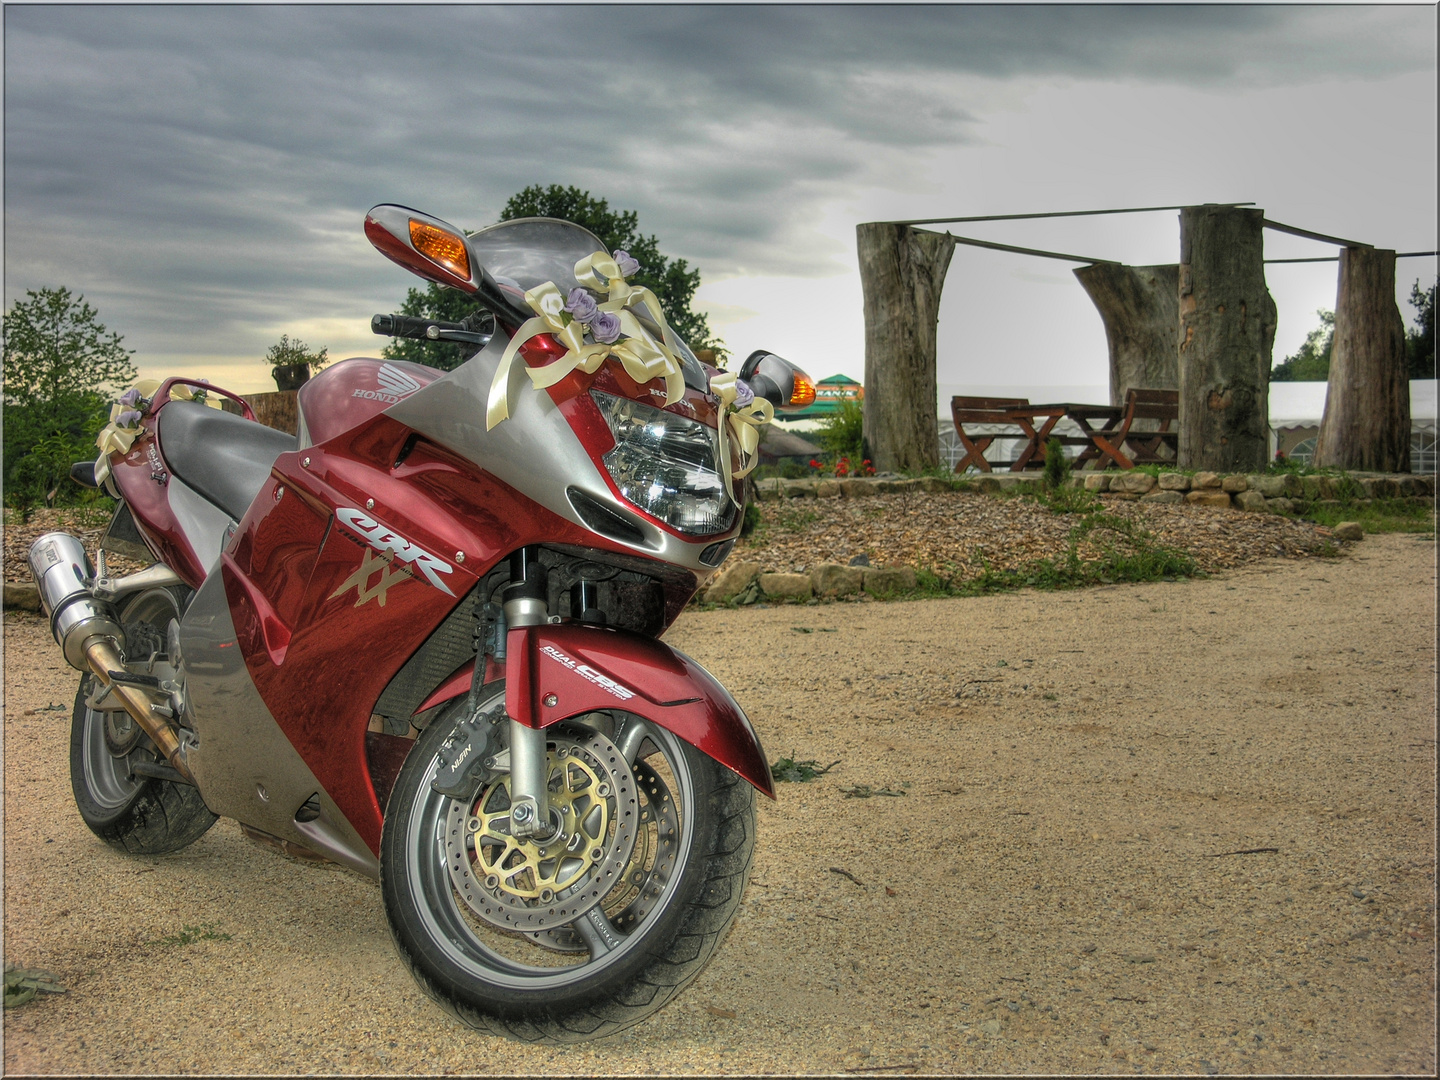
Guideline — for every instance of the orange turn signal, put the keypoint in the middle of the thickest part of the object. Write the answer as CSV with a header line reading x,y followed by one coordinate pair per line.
x,y
439,246
804,391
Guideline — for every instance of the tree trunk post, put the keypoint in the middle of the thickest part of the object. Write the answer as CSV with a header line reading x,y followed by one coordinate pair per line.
x,y
902,271
1226,334
1366,425
1140,306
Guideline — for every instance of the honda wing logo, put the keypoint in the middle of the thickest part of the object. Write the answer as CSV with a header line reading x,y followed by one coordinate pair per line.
x,y
394,384
388,542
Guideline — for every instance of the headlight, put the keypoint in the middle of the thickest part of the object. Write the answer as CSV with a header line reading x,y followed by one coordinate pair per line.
x,y
665,464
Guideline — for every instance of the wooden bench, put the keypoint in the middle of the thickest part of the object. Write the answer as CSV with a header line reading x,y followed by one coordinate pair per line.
x,y
981,410
1119,444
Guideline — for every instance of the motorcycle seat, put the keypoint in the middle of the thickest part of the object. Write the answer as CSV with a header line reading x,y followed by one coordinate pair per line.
x,y
224,457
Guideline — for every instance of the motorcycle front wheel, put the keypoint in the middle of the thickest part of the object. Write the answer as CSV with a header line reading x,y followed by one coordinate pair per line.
x,y
593,930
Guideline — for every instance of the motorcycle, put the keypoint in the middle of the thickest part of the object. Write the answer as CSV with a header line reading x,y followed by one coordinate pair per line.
x,y
421,637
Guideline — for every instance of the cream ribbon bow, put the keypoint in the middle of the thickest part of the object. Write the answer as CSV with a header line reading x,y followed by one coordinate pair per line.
x,y
744,423
639,353
114,438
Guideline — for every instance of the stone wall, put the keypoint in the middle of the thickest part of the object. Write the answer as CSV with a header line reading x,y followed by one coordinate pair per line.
x,y
1279,494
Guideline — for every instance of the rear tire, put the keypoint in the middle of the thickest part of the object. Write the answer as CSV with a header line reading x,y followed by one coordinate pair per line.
x,y
653,932
142,815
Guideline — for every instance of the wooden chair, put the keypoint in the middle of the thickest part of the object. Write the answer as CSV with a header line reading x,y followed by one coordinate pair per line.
x,y
980,410
1127,448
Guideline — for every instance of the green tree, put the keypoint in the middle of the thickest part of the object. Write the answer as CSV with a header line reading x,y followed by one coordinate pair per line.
x,y
1310,362
1420,342
286,358
61,367
672,280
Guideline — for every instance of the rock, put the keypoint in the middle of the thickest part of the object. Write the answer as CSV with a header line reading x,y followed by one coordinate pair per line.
x,y
832,579
856,488
1413,486
860,560
1097,482
887,487
731,581
1010,483
1208,497
991,1027
1250,500
1313,487
26,597
771,488
1234,484
827,489
1281,505
1174,481
1347,530
987,484
884,580
799,489
1135,483
786,586
1204,480
1168,497
936,485
1273,487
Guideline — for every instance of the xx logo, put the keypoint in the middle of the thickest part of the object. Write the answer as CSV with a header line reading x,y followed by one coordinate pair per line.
x,y
360,579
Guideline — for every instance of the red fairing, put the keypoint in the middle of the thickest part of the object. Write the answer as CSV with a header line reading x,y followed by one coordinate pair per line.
x,y
326,607
143,479
585,668
347,394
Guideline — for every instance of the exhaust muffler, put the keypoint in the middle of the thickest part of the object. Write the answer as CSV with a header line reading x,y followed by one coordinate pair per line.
x,y
87,629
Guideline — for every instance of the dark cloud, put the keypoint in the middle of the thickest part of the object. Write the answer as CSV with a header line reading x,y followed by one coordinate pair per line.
x,y
207,167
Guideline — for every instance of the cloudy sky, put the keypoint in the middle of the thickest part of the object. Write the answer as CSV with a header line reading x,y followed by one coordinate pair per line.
x,y
201,174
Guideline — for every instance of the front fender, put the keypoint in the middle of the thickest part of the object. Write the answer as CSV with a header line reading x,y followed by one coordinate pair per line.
x,y
560,670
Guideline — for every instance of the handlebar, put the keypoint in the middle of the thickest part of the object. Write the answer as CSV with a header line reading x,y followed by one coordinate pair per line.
x,y
409,326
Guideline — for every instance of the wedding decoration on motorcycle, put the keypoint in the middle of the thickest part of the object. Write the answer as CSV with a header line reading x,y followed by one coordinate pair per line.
x,y
594,331
124,426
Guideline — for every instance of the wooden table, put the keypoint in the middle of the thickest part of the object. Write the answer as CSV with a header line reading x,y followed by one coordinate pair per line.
x,y
1038,421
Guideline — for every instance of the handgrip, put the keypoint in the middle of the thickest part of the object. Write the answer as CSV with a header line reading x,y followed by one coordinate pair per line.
x,y
409,326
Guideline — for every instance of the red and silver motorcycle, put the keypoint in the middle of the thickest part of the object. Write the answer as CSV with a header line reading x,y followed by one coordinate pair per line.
x,y
421,638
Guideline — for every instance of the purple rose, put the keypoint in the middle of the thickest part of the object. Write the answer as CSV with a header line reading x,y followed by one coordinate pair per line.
x,y
130,397
130,418
627,264
582,305
743,394
606,327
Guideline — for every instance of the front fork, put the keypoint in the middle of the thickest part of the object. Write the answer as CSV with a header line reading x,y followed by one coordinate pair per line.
x,y
526,604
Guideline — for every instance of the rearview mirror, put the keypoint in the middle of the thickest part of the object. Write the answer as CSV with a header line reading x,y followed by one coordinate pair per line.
x,y
425,245
777,381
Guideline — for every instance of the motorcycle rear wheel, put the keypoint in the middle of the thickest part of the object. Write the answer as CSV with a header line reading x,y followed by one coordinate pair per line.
x,y
634,950
142,815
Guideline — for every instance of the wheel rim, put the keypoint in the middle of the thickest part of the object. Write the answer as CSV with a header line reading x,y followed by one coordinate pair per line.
x,y
559,956
110,741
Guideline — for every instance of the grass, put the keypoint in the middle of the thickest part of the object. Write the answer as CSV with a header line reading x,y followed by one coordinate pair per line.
x,y
1381,516
788,770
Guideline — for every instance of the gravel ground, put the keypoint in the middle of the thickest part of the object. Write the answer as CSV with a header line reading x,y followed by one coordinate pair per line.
x,y
962,533
1061,887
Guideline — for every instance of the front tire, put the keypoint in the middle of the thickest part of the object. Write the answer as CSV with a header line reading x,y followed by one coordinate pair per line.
x,y
470,914
142,815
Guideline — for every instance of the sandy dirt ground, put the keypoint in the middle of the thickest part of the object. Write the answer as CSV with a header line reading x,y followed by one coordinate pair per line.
x,y
1058,887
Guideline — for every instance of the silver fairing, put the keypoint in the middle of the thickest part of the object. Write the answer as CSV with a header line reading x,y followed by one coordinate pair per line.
x,y
244,764
534,451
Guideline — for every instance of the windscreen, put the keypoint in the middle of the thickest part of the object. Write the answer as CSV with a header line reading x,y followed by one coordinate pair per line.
x,y
531,251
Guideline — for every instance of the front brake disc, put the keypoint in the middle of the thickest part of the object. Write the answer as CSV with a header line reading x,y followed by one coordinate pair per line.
x,y
524,885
